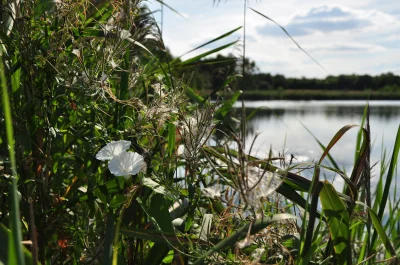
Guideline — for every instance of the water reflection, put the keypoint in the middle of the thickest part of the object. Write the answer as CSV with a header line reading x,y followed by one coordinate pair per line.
x,y
281,126
385,112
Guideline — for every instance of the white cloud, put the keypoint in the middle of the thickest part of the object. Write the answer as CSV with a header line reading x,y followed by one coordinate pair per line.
x,y
344,36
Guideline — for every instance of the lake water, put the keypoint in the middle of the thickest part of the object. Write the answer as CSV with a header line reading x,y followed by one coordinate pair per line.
x,y
279,124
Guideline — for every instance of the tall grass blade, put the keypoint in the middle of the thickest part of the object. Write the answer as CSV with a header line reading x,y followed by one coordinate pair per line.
x,y
389,177
287,33
15,223
211,41
169,7
323,147
381,232
5,235
198,57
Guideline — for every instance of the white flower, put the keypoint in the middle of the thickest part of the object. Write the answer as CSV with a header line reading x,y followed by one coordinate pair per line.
x,y
126,164
112,149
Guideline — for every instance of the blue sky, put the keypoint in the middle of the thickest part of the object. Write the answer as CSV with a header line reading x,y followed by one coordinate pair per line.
x,y
346,37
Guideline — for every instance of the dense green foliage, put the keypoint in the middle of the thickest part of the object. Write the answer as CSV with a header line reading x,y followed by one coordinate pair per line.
x,y
108,156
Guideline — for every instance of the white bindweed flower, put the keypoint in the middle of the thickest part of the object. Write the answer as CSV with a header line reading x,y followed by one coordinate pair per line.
x,y
126,164
113,149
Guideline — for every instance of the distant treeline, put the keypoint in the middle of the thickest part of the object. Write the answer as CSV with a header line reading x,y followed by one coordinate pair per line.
x,y
212,74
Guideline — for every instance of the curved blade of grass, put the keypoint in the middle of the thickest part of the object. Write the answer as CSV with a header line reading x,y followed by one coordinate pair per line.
x,y
198,57
335,139
381,232
103,10
169,7
211,61
231,240
323,147
213,40
15,224
362,159
287,33
338,222
389,177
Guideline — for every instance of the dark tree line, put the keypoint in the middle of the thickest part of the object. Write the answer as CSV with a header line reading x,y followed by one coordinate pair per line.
x,y
211,74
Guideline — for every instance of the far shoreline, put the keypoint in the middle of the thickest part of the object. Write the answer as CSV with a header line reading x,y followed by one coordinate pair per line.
x,y
291,94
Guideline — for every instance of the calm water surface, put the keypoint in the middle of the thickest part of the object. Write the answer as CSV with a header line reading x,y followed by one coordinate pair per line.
x,y
280,126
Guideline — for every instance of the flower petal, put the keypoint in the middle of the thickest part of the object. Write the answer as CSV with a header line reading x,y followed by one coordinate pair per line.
x,y
112,149
125,164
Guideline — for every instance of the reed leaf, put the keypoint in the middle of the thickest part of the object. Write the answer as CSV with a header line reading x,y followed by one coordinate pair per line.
x,y
213,40
338,222
15,253
388,183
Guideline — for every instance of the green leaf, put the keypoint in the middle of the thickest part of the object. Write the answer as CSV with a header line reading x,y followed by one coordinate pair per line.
x,y
388,184
171,138
381,232
5,235
227,106
338,222
213,40
198,57
156,187
158,212
15,223
117,200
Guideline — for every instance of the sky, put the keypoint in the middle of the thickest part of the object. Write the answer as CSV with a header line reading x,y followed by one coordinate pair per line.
x,y
345,37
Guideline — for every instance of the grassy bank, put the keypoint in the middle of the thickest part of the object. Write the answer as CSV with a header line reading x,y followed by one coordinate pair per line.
x,y
317,95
